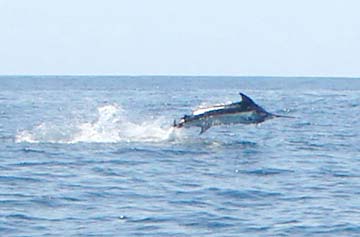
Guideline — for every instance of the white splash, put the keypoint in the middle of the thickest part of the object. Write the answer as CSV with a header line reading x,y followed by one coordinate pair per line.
x,y
110,126
205,108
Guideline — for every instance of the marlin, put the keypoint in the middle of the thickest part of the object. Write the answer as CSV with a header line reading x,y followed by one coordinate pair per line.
x,y
245,111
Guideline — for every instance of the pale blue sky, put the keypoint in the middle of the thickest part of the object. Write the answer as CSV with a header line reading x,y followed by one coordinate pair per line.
x,y
181,37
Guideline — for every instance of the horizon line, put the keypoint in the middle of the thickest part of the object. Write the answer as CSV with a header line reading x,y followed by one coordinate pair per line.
x,y
171,75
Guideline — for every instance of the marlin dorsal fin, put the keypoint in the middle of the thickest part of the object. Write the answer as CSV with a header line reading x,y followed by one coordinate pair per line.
x,y
246,100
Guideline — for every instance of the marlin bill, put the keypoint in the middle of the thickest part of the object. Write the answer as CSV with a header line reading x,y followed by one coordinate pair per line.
x,y
245,111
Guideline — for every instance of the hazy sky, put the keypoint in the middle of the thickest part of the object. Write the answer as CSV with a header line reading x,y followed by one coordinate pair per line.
x,y
180,37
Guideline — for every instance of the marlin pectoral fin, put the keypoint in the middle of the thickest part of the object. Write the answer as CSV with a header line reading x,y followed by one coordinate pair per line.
x,y
204,128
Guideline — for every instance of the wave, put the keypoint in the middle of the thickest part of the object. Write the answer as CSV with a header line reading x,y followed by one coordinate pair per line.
x,y
110,126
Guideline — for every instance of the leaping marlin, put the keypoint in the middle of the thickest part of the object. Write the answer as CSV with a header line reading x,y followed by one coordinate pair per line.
x,y
245,112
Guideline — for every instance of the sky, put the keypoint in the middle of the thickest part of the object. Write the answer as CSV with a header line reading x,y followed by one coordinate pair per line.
x,y
180,37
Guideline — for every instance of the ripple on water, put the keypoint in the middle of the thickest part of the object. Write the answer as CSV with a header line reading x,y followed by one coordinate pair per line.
x,y
265,171
246,194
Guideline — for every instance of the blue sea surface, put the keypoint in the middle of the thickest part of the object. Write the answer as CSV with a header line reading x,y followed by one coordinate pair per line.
x,y
97,156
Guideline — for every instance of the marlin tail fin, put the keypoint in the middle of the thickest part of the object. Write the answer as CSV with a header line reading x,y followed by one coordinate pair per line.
x,y
282,116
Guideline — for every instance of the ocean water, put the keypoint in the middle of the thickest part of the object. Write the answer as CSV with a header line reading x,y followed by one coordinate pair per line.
x,y
96,156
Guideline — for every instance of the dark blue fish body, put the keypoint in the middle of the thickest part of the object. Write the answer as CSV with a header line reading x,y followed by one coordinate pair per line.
x,y
244,112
